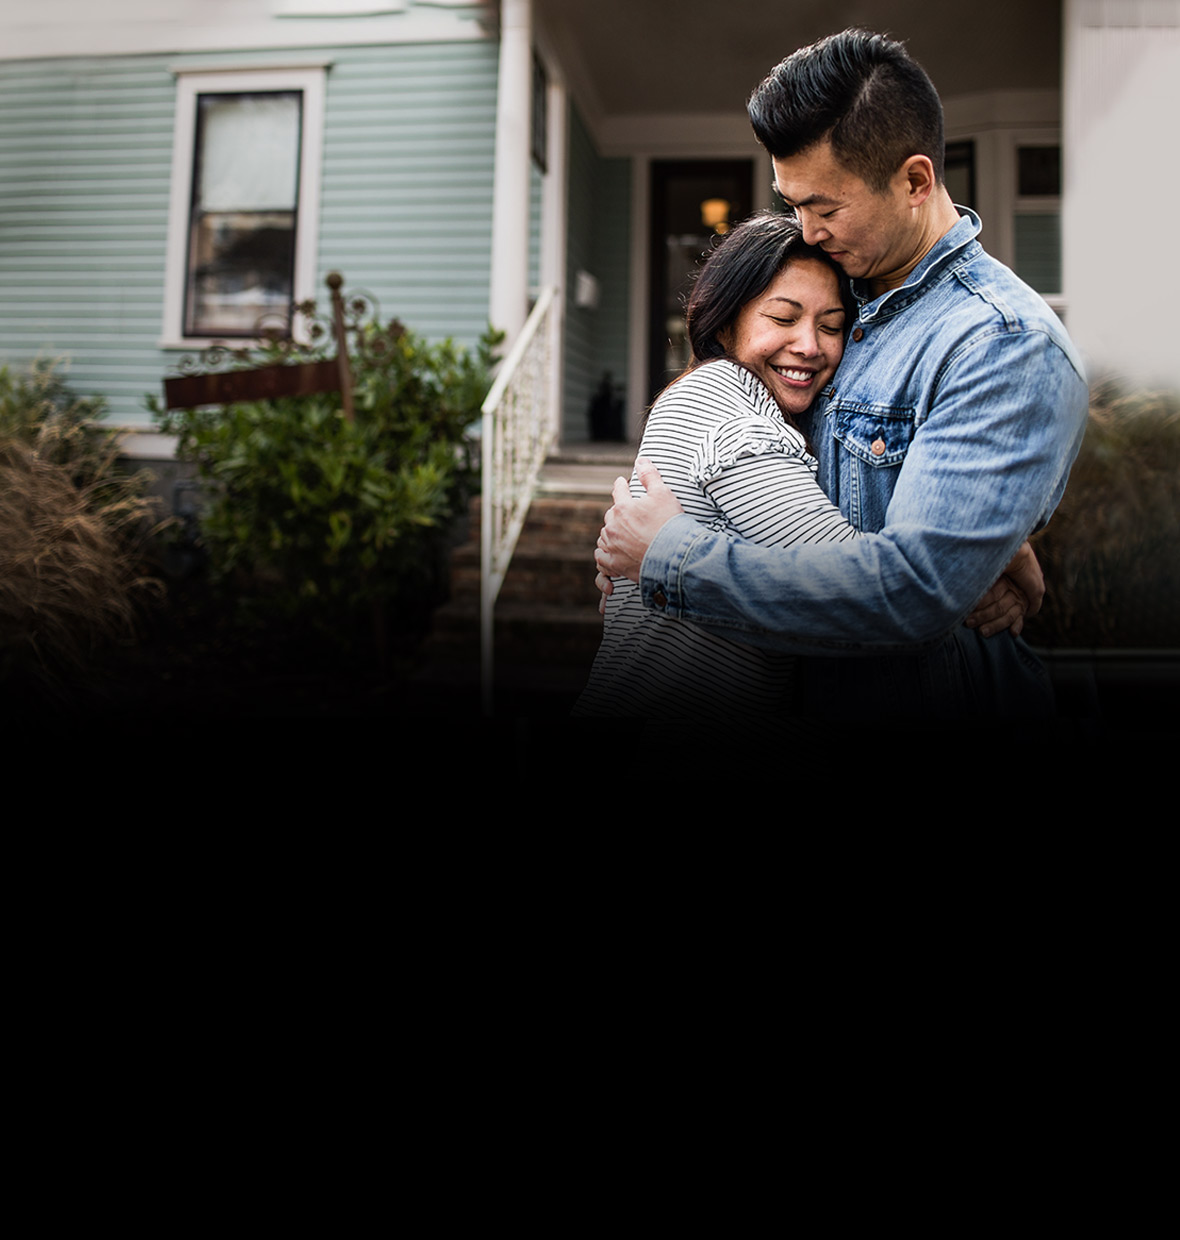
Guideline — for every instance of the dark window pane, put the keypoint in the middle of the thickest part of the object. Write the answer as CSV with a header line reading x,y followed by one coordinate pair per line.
x,y
1038,171
960,172
242,270
540,115
1038,251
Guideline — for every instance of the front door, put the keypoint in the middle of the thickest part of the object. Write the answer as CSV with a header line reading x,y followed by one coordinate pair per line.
x,y
693,204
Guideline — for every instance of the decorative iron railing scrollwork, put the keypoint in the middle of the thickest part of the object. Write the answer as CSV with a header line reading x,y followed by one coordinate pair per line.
x,y
288,362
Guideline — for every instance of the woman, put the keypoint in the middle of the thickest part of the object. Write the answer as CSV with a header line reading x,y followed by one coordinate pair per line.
x,y
766,324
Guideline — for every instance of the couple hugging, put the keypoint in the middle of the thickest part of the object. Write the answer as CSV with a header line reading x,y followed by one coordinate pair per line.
x,y
876,417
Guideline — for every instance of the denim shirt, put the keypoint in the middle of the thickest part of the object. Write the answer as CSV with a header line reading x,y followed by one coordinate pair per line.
x,y
947,438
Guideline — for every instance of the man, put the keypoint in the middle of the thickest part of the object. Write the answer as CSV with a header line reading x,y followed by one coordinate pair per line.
x,y
955,416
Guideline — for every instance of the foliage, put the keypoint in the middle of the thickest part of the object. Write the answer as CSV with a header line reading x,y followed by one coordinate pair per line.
x,y
1109,553
72,528
315,517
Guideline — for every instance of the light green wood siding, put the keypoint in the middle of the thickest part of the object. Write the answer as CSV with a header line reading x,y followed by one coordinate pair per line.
x,y
406,208
85,168
599,243
85,163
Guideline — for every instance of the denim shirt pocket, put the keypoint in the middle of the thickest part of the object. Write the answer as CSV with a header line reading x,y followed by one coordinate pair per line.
x,y
875,438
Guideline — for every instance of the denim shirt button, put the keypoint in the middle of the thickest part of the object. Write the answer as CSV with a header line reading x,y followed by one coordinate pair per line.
x,y
660,598
877,447
858,333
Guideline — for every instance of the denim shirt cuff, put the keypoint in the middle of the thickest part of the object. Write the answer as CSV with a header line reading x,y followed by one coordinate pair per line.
x,y
664,564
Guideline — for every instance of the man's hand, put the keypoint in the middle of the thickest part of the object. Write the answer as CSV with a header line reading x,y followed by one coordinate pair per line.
x,y
1019,593
631,524
1025,573
1004,606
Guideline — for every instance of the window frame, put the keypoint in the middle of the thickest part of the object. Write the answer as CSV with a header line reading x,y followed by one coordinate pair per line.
x,y
309,80
1038,204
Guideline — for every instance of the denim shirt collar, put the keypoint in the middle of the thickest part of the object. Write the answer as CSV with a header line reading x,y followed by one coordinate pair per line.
x,y
956,244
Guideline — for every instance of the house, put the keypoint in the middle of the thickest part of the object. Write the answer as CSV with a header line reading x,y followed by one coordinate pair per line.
x,y
173,171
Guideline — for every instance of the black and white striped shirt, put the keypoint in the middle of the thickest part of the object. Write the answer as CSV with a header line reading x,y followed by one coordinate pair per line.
x,y
720,442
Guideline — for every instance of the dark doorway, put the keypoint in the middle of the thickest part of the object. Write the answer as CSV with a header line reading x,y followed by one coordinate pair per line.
x,y
693,202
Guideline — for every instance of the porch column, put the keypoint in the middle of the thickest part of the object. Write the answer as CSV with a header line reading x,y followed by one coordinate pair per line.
x,y
1121,266
510,188
553,240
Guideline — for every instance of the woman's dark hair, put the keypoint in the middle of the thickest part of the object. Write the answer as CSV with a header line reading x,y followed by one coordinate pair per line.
x,y
740,268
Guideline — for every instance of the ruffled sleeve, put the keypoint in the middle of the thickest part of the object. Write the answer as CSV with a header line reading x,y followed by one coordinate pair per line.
x,y
746,436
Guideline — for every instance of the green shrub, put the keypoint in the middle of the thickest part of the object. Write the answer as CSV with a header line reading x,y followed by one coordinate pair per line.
x,y
1109,553
73,526
312,517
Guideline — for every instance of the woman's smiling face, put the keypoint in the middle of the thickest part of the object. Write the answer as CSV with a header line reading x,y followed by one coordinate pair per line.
x,y
792,334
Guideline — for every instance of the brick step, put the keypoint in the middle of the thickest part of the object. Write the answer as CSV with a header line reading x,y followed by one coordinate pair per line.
x,y
547,628
532,634
553,563
556,522
561,576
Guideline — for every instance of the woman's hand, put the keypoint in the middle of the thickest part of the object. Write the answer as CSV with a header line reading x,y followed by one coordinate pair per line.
x,y
1018,593
605,590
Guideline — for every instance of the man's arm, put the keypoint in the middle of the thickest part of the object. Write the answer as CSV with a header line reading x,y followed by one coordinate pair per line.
x,y
982,472
630,525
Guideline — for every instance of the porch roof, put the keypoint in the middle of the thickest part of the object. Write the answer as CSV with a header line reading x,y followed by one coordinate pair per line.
x,y
648,57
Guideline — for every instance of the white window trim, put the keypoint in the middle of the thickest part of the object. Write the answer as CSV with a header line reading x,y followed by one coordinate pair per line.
x,y
997,200
309,80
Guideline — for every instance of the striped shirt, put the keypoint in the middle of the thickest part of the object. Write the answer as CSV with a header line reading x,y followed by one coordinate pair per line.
x,y
720,442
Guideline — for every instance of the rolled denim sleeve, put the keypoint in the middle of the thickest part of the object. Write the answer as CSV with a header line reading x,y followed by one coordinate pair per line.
x,y
986,466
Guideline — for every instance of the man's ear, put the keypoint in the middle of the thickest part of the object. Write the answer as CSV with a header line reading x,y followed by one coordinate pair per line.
x,y
920,181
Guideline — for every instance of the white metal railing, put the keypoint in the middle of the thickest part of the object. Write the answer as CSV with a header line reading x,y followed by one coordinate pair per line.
x,y
519,428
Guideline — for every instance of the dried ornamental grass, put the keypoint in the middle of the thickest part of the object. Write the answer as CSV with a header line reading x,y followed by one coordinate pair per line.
x,y
72,527
1109,552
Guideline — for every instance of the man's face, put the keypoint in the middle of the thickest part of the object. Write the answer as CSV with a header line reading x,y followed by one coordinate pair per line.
x,y
873,236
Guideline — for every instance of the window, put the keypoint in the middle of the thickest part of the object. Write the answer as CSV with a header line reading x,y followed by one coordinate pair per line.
x,y
1037,218
245,194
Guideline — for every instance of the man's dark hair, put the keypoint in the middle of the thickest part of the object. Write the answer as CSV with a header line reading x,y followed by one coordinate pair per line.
x,y
864,93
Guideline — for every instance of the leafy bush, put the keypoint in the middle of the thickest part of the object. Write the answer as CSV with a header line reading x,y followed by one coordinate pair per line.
x,y
312,517
72,529
1109,553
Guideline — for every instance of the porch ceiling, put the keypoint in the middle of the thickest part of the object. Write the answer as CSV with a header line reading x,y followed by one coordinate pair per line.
x,y
643,57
